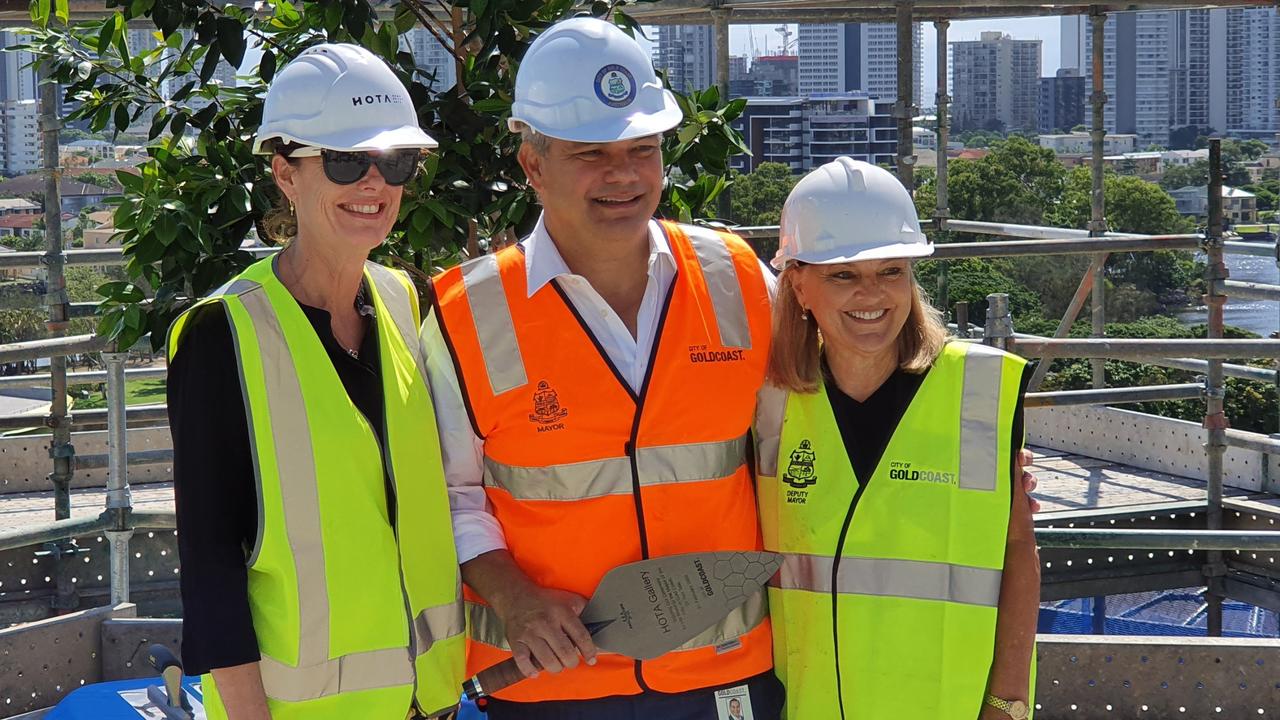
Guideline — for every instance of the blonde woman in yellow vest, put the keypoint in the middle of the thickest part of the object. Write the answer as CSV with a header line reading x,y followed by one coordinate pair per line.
x,y
319,576
886,457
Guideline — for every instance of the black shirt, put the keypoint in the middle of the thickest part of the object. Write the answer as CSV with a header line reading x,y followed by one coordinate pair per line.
x,y
215,494
867,426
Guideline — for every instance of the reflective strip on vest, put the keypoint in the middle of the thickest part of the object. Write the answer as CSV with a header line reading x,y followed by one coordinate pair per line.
x,y
438,623
349,673
913,579
487,628
980,417
771,410
300,497
494,327
722,284
612,476
395,298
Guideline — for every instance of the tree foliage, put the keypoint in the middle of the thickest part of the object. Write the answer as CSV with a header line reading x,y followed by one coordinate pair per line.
x,y
200,193
758,195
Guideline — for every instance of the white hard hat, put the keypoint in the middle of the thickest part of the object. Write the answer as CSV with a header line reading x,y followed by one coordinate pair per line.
x,y
585,80
340,97
849,210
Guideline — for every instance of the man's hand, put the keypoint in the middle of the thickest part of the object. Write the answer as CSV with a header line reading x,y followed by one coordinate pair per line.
x,y
1025,459
542,624
544,630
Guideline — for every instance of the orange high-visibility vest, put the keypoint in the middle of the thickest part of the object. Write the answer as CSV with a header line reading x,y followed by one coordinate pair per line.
x,y
585,475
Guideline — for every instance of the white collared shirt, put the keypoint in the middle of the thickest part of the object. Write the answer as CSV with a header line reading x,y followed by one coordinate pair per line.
x,y
476,531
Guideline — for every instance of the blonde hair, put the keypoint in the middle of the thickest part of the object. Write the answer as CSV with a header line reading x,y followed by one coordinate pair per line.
x,y
280,223
794,356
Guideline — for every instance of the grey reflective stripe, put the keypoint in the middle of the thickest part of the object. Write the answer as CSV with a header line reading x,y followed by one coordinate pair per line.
x,y
980,417
349,673
492,318
694,462
438,623
485,627
395,298
299,494
914,579
235,286
723,286
740,621
771,410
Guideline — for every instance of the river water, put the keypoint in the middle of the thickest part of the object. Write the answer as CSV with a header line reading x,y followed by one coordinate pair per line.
x,y
1259,316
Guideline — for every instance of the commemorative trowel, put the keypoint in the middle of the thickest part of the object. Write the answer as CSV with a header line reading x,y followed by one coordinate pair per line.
x,y
648,608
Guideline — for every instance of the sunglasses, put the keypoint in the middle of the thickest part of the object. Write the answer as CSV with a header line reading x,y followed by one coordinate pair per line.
x,y
397,167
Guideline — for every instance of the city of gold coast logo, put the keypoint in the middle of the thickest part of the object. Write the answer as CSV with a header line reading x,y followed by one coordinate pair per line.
x,y
800,473
547,411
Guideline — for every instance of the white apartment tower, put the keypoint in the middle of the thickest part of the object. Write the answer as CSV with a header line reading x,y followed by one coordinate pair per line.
x,y
17,75
19,137
995,82
433,59
686,53
1253,74
847,57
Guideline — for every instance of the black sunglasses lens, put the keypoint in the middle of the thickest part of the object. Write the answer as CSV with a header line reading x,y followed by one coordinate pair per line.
x,y
398,166
345,168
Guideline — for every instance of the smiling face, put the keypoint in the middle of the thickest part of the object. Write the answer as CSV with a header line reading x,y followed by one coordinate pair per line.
x,y
347,218
860,307
596,190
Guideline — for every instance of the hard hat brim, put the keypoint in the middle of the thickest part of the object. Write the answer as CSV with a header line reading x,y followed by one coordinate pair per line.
x,y
611,129
399,138
842,255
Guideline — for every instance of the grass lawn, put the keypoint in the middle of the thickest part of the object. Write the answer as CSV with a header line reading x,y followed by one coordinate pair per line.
x,y
1254,228
137,392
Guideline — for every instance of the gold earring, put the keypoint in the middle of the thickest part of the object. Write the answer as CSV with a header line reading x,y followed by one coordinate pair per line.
x,y
804,314
291,210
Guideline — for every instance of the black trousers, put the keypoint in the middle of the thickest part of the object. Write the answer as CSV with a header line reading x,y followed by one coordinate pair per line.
x,y
766,704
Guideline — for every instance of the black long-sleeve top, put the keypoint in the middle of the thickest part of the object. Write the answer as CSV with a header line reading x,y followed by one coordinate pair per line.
x,y
214,487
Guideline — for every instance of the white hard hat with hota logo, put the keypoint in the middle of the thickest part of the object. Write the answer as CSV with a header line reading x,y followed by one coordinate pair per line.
x,y
339,97
585,80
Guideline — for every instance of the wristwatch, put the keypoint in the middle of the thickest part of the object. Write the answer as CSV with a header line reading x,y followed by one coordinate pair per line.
x,y
1015,709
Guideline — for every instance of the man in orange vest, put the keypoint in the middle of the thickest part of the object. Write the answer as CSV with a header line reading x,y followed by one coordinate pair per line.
x,y
594,387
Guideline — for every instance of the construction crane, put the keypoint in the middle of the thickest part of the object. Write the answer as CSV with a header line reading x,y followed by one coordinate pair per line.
x,y
787,42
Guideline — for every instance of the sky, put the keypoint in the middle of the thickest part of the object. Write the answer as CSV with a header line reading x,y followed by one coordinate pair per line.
x,y
1040,28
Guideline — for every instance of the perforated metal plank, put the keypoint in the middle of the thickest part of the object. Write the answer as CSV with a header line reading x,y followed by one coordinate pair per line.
x,y
1067,588
43,661
125,643
1089,676
25,463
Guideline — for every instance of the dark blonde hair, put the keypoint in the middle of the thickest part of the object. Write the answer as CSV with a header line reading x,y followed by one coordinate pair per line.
x,y
794,354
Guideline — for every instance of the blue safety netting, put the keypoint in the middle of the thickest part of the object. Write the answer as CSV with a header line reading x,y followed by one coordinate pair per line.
x,y
1162,612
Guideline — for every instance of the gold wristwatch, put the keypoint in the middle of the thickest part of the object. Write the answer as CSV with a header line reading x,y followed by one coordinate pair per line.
x,y
1015,709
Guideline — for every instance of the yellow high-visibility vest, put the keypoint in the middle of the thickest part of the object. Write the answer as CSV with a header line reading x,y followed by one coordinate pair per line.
x,y
891,610
355,616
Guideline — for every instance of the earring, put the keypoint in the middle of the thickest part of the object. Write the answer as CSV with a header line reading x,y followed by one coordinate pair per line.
x,y
804,314
291,210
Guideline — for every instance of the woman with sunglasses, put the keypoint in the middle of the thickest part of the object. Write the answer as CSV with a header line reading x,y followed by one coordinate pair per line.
x,y
319,577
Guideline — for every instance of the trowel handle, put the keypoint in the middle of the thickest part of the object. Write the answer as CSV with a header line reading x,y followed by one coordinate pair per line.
x,y
170,668
492,679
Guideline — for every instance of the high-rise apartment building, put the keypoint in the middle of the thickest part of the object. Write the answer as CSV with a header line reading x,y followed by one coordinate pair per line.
x,y
809,131
686,53
1171,69
19,136
432,58
1061,105
861,57
995,83
17,75
1253,74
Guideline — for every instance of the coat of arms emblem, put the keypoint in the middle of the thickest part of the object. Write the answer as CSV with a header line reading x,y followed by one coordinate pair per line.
x,y
546,405
800,473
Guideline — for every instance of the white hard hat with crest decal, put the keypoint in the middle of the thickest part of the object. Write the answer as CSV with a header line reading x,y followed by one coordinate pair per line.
x,y
340,97
585,80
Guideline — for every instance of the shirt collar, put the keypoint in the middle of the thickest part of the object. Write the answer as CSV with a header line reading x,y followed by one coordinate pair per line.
x,y
543,262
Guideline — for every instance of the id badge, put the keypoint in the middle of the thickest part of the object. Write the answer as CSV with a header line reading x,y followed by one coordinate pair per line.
x,y
734,703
